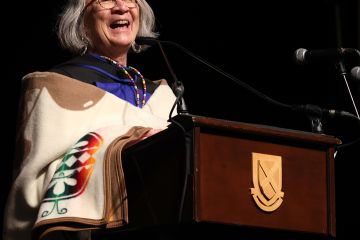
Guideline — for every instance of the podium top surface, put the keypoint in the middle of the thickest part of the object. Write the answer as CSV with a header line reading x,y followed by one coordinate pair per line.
x,y
189,121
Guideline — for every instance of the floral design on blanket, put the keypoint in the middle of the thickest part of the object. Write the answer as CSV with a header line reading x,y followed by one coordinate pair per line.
x,y
73,173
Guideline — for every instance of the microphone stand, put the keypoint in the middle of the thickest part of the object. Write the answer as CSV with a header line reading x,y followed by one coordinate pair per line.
x,y
177,87
315,113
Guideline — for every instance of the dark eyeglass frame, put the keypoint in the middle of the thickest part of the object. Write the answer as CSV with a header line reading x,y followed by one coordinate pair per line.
x,y
109,4
113,1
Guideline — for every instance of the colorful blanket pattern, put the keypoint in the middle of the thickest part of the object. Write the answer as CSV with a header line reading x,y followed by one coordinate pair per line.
x,y
73,174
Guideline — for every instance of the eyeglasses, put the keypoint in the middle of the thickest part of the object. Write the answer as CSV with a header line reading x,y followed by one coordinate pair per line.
x,y
109,4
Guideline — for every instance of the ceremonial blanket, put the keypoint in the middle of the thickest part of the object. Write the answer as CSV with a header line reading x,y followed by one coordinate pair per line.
x,y
68,161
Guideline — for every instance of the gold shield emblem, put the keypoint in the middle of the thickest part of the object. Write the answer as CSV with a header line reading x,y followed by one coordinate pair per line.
x,y
267,181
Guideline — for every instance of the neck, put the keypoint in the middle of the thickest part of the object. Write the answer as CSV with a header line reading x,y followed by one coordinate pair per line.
x,y
121,59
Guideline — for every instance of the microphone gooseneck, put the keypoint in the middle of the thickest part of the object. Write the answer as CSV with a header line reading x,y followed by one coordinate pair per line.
x,y
177,86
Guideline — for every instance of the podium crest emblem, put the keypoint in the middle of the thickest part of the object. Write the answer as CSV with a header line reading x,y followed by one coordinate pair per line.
x,y
267,181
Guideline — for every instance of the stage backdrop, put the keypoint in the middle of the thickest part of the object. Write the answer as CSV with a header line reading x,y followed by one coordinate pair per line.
x,y
254,41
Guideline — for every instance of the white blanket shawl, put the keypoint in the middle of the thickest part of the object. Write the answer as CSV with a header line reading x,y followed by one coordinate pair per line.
x,y
69,173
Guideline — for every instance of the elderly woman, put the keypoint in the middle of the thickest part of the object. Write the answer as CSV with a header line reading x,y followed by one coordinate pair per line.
x,y
76,119
105,31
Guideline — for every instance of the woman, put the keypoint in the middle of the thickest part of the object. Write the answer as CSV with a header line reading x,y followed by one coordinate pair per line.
x,y
105,31
76,119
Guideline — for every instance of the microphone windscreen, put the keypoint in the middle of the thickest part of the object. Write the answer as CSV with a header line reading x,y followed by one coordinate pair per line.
x,y
299,56
355,73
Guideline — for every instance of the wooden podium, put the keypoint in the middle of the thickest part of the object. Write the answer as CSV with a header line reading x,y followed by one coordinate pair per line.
x,y
265,181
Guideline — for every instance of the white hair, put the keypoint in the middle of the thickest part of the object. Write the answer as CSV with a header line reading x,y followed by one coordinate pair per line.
x,y
71,29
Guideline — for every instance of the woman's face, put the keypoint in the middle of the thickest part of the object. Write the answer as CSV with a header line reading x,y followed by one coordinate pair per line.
x,y
111,31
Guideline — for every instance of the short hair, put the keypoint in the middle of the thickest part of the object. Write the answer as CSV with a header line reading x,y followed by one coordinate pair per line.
x,y
71,29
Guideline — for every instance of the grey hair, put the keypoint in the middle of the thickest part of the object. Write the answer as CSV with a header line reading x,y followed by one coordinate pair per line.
x,y
71,29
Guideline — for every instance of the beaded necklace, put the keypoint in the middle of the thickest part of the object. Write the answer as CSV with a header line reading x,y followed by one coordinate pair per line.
x,y
137,94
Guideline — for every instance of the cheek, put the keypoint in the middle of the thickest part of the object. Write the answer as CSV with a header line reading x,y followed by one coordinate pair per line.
x,y
137,26
93,26
89,23
136,18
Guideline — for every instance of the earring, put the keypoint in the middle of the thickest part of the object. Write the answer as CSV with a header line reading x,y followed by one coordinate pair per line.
x,y
136,47
84,49
85,44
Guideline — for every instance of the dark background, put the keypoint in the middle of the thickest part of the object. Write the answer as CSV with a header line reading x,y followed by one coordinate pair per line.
x,y
252,40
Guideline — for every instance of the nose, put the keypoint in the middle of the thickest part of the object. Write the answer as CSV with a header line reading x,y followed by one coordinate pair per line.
x,y
121,5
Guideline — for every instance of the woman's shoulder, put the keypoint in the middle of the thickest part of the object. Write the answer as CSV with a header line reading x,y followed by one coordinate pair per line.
x,y
73,68
41,75
40,79
84,68
65,91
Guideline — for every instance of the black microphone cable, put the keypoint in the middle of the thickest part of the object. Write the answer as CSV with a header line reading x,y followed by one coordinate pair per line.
x,y
315,112
151,41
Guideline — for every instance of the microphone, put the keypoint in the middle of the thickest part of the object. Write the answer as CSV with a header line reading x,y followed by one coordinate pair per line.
x,y
304,56
315,114
355,73
317,111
